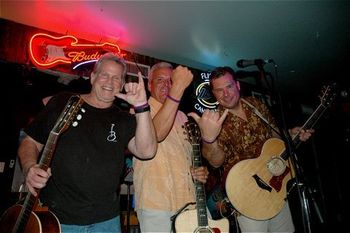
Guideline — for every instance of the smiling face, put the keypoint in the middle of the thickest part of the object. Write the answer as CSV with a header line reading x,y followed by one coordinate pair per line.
x,y
106,82
226,90
160,83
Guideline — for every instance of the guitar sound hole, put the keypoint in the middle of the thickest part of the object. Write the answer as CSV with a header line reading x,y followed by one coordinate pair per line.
x,y
276,166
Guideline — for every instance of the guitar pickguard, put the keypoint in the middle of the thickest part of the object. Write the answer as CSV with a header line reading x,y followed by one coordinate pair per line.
x,y
277,181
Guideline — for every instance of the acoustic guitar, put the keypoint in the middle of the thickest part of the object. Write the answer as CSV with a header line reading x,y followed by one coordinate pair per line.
x,y
29,217
196,220
257,187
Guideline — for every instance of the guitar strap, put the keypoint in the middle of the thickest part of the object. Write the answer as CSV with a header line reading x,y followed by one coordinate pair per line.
x,y
173,217
256,111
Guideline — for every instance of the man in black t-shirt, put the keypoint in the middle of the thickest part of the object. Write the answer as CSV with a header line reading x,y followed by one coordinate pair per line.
x,y
80,186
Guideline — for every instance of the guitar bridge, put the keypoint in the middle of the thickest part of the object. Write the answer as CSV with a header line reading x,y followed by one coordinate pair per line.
x,y
261,183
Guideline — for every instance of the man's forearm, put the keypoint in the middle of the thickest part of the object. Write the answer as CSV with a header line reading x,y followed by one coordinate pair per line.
x,y
28,153
213,153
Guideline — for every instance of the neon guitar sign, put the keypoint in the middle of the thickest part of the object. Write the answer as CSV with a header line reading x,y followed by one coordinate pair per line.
x,y
47,51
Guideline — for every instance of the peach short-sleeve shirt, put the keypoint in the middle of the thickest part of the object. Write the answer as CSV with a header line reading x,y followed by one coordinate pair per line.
x,y
165,182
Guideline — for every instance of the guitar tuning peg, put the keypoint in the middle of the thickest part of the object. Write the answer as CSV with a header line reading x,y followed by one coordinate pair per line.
x,y
83,110
79,116
75,124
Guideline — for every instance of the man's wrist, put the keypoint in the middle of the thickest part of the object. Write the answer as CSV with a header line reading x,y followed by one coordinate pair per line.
x,y
26,168
173,99
142,108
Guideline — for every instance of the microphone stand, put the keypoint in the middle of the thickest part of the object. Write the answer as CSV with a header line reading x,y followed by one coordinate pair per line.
x,y
304,192
262,74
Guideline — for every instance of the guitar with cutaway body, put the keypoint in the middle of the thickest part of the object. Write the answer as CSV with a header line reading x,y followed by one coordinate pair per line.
x,y
196,219
257,187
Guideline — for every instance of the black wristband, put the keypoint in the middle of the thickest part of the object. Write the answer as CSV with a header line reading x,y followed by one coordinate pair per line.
x,y
142,109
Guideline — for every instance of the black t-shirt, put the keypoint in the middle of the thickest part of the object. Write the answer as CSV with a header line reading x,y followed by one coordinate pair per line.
x,y
87,162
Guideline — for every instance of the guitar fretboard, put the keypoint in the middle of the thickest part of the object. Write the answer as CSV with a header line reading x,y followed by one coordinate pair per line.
x,y
200,190
311,121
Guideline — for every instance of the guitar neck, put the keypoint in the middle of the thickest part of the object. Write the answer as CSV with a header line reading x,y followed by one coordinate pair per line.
x,y
200,190
311,121
31,200
26,210
48,151
62,124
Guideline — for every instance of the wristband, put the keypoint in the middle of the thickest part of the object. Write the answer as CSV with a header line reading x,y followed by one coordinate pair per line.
x,y
208,142
142,108
173,99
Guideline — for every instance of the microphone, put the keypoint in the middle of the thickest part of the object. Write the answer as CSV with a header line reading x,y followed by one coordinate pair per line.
x,y
258,62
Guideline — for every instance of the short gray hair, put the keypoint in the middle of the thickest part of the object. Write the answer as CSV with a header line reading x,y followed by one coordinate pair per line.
x,y
110,57
157,66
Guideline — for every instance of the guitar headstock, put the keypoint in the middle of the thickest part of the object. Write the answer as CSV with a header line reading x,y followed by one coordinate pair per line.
x,y
328,94
69,115
193,132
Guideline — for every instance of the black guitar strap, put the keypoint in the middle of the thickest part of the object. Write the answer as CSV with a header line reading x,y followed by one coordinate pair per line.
x,y
173,218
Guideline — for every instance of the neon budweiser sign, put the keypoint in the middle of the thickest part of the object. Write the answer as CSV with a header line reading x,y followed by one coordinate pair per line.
x,y
47,51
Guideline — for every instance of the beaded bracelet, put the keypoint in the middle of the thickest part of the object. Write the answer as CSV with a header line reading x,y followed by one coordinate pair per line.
x,y
142,108
173,99
208,142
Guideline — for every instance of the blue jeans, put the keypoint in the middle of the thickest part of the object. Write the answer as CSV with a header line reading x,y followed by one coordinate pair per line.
x,y
154,220
109,226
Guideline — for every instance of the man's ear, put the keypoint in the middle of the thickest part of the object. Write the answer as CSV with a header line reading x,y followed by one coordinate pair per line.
x,y
122,87
149,84
92,77
238,85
